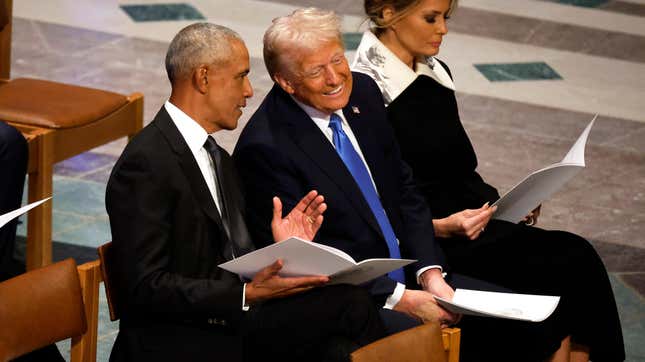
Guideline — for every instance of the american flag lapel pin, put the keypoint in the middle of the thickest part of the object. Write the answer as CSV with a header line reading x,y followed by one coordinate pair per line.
x,y
356,110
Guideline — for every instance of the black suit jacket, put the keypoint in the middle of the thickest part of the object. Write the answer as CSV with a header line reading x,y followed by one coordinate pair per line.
x,y
168,240
282,152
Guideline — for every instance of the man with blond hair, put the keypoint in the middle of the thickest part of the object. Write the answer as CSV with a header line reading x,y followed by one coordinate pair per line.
x,y
324,127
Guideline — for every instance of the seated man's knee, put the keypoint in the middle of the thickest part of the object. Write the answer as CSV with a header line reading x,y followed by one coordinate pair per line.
x,y
12,144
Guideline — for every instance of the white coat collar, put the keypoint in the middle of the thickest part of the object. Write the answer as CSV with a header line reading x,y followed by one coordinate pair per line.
x,y
390,73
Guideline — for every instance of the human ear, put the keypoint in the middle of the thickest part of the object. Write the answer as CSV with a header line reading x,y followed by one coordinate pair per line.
x,y
200,78
284,83
387,14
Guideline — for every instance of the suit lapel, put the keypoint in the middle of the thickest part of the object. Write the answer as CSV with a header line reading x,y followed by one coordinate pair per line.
x,y
189,166
313,143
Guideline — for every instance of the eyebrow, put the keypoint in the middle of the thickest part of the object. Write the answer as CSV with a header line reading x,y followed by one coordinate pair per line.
x,y
334,56
434,12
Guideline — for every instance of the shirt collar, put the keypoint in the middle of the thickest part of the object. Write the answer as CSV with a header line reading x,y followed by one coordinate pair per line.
x,y
194,135
390,73
320,118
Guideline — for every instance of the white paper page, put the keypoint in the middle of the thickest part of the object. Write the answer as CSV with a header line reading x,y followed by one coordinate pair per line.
x,y
540,185
532,191
338,252
534,308
4,219
299,258
576,154
367,270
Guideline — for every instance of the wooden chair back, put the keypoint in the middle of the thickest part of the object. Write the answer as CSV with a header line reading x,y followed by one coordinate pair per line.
x,y
6,8
109,280
420,344
39,308
84,346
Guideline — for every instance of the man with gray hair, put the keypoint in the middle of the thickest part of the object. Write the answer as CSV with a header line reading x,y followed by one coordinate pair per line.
x,y
175,215
324,127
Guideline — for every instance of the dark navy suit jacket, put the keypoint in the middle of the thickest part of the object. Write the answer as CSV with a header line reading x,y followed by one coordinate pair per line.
x,y
281,152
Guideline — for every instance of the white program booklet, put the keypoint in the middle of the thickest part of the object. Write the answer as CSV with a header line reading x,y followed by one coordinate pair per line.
x,y
541,184
4,219
526,307
302,258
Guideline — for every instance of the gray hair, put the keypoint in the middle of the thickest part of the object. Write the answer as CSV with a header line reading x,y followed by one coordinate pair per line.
x,y
199,43
304,29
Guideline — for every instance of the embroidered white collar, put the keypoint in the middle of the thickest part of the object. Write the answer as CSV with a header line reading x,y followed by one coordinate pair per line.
x,y
390,73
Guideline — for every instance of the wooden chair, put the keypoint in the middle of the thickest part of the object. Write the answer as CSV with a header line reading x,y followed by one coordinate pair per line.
x,y
451,341
423,343
84,346
50,304
111,291
59,121
5,38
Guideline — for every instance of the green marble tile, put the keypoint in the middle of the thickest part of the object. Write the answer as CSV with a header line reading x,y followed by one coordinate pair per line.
x,y
79,197
501,72
583,3
162,12
631,308
351,40
92,234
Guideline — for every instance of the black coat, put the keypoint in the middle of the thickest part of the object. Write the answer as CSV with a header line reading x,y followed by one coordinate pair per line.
x,y
168,240
525,259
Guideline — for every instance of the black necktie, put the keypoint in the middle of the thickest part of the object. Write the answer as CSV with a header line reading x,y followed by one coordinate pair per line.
x,y
213,150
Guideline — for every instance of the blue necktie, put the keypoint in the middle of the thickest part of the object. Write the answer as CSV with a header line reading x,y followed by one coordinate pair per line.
x,y
362,177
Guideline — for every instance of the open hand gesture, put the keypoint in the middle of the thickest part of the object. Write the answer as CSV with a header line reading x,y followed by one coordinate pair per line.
x,y
303,221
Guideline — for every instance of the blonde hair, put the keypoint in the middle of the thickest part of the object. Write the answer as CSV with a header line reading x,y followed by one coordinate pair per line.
x,y
374,11
303,29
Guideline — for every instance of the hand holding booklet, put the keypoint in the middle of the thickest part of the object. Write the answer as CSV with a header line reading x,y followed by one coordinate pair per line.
x,y
526,307
541,184
303,258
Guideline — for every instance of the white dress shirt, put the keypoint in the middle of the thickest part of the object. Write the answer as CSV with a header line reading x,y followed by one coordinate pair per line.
x,y
195,137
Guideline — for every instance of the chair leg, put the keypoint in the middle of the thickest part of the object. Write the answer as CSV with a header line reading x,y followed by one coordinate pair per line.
x,y
39,225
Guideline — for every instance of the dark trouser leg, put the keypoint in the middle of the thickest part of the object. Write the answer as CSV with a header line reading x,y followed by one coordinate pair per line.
x,y
496,339
532,260
397,322
13,166
302,327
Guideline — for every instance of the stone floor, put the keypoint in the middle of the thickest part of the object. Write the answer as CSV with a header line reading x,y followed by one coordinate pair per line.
x,y
518,124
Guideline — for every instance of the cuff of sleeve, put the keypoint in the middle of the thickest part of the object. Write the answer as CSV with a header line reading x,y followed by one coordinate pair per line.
x,y
245,307
420,271
395,297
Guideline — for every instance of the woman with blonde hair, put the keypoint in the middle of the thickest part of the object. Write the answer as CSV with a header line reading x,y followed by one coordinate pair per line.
x,y
398,53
